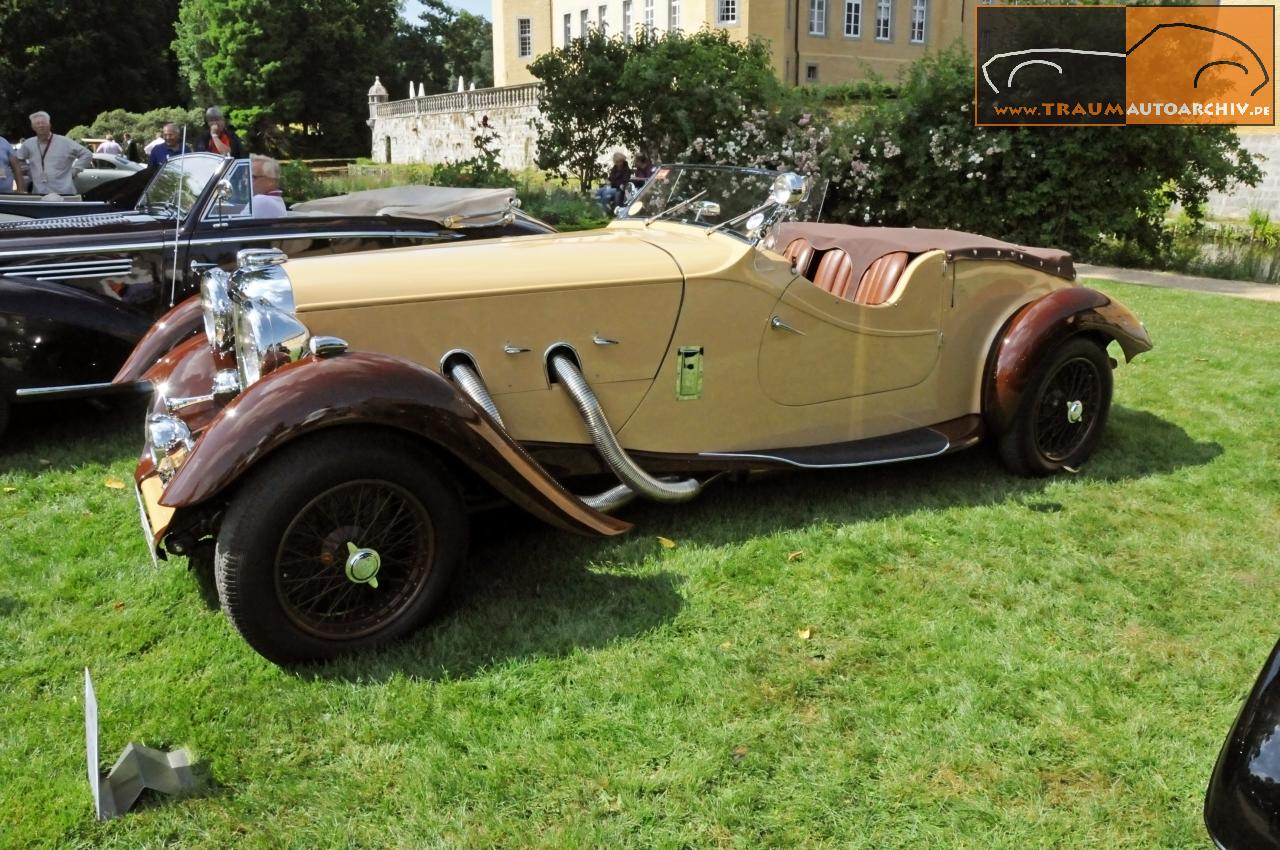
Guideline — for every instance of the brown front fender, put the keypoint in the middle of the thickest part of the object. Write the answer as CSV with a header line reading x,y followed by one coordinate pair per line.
x,y
1040,326
372,389
166,334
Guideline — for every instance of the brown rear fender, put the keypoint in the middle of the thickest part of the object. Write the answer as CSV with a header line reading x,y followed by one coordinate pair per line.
x,y
372,389
1039,327
170,331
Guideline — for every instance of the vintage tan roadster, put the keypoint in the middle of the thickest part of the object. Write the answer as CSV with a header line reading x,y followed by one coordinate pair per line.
x,y
340,416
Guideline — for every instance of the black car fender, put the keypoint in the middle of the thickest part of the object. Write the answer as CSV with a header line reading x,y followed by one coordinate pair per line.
x,y
1242,803
1037,328
55,334
378,390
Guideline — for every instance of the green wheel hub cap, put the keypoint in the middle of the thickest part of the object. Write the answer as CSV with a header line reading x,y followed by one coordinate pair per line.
x,y
363,565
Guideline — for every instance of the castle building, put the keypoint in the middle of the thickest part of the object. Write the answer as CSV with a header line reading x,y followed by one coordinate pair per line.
x,y
813,41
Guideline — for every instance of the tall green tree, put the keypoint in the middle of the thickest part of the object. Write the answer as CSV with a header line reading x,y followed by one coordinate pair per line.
x,y
295,75
463,43
657,93
75,60
582,112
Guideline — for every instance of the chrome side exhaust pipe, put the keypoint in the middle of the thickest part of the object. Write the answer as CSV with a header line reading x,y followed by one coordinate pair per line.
x,y
468,380
615,457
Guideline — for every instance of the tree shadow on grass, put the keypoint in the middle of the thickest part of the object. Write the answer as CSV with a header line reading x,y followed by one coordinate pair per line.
x,y
64,435
530,591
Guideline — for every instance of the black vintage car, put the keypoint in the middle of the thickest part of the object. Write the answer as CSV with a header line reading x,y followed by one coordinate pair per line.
x,y
1242,804
78,294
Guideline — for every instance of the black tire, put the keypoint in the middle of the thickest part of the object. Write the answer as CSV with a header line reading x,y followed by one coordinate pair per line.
x,y
286,574
1050,432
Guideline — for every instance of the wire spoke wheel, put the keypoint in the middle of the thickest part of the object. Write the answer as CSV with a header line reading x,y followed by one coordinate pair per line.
x,y
1068,409
341,542
316,585
1062,412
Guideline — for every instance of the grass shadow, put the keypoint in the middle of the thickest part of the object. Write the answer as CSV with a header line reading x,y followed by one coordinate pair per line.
x,y
529,591
65,435
523,593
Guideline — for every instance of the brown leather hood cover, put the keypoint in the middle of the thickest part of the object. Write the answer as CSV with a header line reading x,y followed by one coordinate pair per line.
x,y
865,245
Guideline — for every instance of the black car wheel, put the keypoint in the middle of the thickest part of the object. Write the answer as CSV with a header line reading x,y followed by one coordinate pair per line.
x,y
338,544
1062,412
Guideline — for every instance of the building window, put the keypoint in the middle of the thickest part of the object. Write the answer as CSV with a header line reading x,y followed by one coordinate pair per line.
x,y
884,20
524,36
817,17
919,8
810,73
626,20
673,15
584,23
726,11
853,18
649,19
600,19
568,33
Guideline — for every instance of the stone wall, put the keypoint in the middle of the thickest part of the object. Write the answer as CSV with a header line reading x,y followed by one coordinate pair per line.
x,y
1266,195
442,128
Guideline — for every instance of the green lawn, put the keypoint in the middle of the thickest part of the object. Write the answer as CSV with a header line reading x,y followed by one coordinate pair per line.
x,y
927,655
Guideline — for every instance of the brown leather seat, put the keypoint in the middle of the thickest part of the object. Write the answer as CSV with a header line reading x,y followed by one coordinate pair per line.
x,y
880,279
800,253
835,273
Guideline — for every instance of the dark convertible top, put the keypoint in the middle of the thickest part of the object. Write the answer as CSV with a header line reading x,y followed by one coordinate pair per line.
x,y
865,245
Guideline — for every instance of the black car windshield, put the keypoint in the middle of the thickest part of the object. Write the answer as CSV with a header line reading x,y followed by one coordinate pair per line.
x,y
706,196
178,184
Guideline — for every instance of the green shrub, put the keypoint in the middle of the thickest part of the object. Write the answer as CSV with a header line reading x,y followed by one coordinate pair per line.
x,y
919,160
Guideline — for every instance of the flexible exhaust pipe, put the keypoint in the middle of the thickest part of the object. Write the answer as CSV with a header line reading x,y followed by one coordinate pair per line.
x,y
469,381
615,457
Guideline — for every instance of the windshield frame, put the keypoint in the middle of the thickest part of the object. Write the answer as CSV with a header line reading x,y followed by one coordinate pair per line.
x,y
638,210
160,195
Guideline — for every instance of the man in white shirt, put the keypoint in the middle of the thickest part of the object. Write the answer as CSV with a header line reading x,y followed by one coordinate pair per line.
x,y
53,160
268,200
110,146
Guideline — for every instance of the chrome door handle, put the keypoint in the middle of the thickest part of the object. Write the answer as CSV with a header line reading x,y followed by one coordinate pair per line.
x,y
513,349
197,266
777,324
600,340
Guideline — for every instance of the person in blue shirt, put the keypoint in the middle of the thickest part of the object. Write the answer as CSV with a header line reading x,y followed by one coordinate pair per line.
x,y
172,146
10,168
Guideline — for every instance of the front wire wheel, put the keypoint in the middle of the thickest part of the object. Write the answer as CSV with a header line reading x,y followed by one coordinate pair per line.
x,y
339,543
1063,411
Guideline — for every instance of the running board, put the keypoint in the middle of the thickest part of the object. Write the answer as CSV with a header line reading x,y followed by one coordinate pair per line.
x,y
915,444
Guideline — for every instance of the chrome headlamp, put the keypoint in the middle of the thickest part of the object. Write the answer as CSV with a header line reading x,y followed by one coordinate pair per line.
x,y
266,339
215,304
267,333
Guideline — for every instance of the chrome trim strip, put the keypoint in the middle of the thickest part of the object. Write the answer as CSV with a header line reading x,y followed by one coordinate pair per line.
x,y
442,235
91,249
776,459
36,392
73,264
284,237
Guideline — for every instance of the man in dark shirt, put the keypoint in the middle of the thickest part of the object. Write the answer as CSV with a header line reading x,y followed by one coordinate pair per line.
x,y
218,137
172,146
611,193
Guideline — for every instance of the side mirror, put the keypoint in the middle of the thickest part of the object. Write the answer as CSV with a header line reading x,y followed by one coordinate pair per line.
x,y
223,191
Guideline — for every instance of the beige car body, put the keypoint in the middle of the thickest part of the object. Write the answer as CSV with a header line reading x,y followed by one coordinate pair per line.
x,y
852,372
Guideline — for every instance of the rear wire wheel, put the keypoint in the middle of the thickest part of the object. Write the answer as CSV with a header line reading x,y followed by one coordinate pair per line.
x,y
1063,411
338,544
